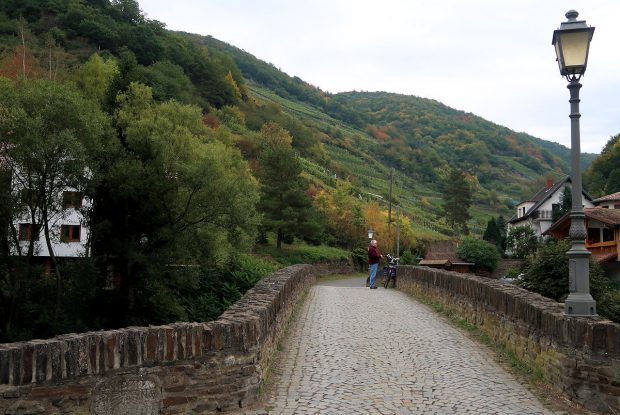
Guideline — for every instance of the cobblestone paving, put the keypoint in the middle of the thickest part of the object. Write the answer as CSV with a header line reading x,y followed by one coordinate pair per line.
x,y
362,351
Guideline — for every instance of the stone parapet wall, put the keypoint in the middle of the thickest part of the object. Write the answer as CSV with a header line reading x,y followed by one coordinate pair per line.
x,y
173,369
579,355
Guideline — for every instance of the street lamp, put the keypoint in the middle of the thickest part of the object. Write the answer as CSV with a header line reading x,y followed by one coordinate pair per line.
x,y
370,233
572,43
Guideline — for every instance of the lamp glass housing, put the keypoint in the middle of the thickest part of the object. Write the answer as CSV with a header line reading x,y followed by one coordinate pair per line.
x,y
572,50
572,45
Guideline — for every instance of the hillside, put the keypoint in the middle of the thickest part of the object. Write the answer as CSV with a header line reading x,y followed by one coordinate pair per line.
x,y
357,136
416,136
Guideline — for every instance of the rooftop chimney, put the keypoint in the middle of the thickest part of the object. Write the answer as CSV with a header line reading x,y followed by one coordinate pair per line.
x,y
549,183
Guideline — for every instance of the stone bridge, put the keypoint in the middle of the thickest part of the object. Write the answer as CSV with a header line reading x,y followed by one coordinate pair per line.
x,y
193,368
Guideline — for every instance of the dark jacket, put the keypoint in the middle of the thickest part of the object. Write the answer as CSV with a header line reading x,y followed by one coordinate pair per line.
x,y
373,255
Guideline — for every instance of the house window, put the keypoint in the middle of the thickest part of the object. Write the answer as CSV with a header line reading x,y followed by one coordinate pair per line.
x,y
594,235
608,235
70,233
616,206
29,232
71,200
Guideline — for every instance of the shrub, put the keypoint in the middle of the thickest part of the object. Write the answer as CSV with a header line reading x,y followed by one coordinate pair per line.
x,y
608,305
482,253
546,272
407,258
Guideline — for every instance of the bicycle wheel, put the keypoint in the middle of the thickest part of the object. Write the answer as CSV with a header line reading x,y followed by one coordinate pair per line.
x,y
387,280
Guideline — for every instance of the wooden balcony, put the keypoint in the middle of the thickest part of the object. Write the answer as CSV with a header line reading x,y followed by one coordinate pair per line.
x,y
602,250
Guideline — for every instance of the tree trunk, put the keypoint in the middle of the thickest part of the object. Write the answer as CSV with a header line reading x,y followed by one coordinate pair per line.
x,y
53,259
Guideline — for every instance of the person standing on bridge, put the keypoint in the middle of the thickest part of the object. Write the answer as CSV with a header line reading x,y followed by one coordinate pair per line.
x,y
374,256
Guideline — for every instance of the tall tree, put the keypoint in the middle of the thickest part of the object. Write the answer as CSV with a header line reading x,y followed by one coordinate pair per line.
x,y
287,208
457,198
172,195
602,176
565,205
51,138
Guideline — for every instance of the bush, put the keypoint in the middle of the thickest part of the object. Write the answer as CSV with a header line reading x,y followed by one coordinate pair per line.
x,y
221,286
360,258
608,305
407,258
546,272
483,254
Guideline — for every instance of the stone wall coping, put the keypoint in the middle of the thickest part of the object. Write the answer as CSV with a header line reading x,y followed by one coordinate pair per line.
x,y
541,314
242,327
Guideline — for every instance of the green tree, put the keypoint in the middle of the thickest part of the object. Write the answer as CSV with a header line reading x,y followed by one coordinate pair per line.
x,y
521,241
52,139
602,176
457,199
493,234
95,76
167,80
501,226
483,254
566,203
173,198
613,182
286,207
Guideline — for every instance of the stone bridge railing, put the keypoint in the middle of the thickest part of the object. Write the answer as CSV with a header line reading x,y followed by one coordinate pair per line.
x,y
179,368
578,355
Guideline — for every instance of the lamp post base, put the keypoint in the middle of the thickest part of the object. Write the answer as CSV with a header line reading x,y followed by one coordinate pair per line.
x,y
580,305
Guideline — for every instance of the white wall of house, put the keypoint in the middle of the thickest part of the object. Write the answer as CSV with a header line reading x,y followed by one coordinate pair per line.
x,y
610,204
523,207
69,217
541,221
545,211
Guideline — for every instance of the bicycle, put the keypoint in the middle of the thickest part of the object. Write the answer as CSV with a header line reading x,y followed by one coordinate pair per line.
x,y
389,271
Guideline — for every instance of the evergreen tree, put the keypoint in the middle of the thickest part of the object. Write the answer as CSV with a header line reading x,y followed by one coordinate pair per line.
x,y
566,202
492,233
501,226
457,198
284,203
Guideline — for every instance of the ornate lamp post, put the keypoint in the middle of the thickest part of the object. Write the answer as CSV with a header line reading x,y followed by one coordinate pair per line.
x,y
572,43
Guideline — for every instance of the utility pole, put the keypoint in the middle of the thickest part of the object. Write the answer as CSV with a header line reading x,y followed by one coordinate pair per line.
x,y
390,201
398,232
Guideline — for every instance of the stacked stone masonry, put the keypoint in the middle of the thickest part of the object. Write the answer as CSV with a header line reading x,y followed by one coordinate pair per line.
x,y
173,369
579,355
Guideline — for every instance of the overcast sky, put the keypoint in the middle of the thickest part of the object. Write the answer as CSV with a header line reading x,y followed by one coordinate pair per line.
x,y
492,58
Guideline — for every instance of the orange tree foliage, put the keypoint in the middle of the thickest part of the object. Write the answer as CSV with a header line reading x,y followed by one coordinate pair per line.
x,y
21,63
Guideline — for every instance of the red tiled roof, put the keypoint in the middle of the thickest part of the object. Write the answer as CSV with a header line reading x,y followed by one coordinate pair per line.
x,y
607,216
606,198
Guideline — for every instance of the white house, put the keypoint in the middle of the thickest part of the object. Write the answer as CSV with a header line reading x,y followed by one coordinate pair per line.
x,y
69,236
537,212
611,201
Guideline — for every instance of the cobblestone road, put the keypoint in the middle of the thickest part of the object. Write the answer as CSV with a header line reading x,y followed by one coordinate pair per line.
x,y
361,351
